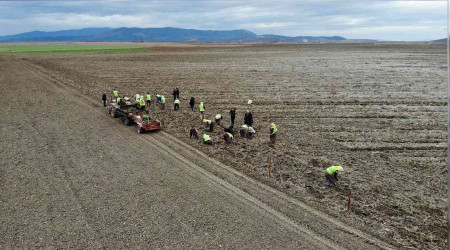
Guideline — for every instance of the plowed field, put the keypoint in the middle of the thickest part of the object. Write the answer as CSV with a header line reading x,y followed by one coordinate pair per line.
x,y
378,110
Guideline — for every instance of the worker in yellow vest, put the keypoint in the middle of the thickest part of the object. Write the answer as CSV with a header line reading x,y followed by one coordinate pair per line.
x,y
163,102
193,132
209,125
202,109
148,98
243,131
219,118
228,137
176,104
273,133
142,103
207,139
115,93
331,174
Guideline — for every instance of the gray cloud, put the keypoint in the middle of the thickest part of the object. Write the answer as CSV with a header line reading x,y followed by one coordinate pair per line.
x,y
384,20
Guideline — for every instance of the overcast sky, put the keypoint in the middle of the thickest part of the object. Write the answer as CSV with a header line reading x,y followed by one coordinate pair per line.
x,y
382,20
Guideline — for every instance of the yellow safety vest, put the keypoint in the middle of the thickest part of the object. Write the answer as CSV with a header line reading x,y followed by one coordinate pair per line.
x,y
206,137
201,107
207,121
149,97
245,126
163,99
331,170
118,99
218,117
177,101
116,93
275,130
142,102
230,135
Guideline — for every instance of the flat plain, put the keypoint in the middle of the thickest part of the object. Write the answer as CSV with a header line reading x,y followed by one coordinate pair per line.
x,y
377,109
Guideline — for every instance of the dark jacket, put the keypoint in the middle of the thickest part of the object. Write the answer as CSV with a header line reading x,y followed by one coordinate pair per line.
x,y
233,114
229,129
104,97
248,119
192,101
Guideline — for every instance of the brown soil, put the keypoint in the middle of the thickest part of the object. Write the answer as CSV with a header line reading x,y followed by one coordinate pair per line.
x,y
376,109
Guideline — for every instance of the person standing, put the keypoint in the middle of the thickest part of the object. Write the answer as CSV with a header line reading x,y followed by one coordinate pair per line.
x,y
148,98
273,133
232,115
142,103
192,103
248,118
115,93
104,99
174,94
202,109
163,102
177,93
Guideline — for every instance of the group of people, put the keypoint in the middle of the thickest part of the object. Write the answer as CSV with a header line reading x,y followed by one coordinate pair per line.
x,y
141,101
245,131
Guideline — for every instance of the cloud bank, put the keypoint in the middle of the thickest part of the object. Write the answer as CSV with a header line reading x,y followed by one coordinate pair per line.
x,y
382,20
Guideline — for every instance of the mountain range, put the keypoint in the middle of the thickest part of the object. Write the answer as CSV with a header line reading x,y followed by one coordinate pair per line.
x,y
443,40
168,34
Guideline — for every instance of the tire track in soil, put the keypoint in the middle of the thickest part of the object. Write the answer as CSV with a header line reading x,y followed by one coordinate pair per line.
x,y
254,187
229,188
232,190
224,171
82,208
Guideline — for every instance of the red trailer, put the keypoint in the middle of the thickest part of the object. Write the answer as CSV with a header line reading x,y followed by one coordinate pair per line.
x,y
130,115
145,124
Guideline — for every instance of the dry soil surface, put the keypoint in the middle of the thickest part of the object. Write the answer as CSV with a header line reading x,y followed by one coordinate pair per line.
x,y
377,109
73,177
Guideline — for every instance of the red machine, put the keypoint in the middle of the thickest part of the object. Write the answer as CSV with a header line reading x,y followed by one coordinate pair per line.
x,y
145,124
130,115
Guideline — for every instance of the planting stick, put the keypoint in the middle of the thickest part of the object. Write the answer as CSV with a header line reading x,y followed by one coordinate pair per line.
x,y
349,201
